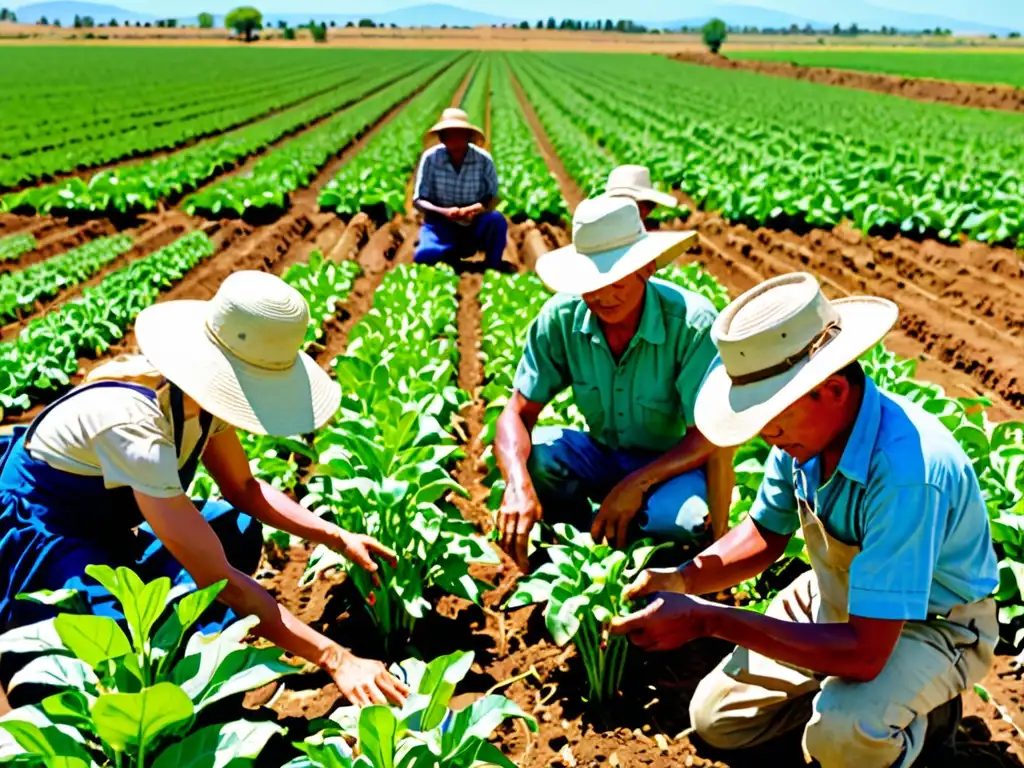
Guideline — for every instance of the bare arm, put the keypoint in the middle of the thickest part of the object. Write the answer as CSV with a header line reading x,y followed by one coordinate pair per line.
x,y
520,507
721,476
192,542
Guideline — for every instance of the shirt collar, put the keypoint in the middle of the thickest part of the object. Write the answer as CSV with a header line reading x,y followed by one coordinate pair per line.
x,y
652,320
856,458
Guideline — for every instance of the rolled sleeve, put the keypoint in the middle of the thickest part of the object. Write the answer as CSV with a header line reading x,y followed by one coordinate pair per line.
x,y
543,371
775,505
892,576
140,457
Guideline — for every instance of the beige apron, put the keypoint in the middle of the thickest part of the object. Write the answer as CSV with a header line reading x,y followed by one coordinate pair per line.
x,y
749,699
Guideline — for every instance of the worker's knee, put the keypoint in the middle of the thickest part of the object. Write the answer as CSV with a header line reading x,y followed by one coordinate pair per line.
x,y
720,726
494,223
549,464
678,508
845,721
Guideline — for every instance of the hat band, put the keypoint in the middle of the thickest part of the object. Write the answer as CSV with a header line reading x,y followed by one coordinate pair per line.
x,y
611,245
827,334
264,364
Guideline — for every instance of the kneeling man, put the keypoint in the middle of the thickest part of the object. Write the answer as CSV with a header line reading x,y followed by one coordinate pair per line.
x,y
870,650
634,349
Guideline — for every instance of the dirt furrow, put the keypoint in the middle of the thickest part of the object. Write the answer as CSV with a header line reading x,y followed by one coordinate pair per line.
x,y
961,94
148,239
54,238
570,191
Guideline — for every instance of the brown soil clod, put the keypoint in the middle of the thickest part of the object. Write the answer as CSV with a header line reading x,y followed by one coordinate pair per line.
x,y
962,94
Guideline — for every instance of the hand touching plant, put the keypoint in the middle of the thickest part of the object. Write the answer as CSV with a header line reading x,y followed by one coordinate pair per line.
x,y
583,588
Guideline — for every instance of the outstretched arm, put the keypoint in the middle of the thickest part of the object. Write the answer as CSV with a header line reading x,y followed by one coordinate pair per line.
x,y
520,507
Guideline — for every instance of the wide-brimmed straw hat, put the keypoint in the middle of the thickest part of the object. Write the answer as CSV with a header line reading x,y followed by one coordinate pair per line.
x,y
777,342
634,181
609,242
456,119
238,355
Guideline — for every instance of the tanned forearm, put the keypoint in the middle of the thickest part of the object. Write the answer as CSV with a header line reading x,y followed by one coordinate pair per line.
x,y
721,478
428,207
274,508
743,553
512,443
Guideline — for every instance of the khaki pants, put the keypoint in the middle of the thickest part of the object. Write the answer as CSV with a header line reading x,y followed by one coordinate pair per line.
x,y
749,699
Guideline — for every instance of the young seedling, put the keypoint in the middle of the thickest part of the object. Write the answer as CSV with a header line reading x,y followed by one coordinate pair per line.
x,y
582,589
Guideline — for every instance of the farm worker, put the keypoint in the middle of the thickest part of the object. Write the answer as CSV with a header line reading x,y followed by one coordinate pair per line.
x,y
120,450
457,190
871,648
634,349
634,182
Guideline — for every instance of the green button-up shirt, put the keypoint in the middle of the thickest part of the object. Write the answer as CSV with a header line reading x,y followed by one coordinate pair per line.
x,y
645,400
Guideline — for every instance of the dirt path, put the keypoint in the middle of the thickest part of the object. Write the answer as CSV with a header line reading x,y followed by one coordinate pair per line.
x,y
570,191
53,236
1001,97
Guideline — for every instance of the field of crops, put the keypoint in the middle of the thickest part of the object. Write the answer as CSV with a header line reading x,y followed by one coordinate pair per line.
x,y
966,66
919,203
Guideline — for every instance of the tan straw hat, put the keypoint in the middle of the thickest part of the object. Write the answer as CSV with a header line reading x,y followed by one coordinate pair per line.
x,y
456,119
634,181
609,242
238,355
776,343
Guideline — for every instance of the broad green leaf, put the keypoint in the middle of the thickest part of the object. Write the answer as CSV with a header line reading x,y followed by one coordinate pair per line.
x,y
57,671
378,734
133,720
217,746
93,639
211,676
40,637
438,684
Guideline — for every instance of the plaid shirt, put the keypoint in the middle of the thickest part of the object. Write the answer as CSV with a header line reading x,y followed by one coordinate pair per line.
x,y
438,182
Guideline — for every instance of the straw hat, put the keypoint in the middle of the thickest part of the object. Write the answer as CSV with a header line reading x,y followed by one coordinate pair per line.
x,y
776,343
456,119
238,355
634,181
609,242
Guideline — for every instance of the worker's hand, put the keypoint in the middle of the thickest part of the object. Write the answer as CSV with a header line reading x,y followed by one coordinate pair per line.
x,y
472,211
520,510
617,512
668,622
362,550
363,681
651,580
454,213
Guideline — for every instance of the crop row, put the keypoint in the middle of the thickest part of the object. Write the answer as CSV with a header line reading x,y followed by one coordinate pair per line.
x,y
377,177
13,247
141,186
147,123
20,290
296,164
195,123
796,152
45,353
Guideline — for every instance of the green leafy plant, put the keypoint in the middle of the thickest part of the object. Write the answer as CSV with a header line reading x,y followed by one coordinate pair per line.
x,y
582,589
13,246
134,699
423,732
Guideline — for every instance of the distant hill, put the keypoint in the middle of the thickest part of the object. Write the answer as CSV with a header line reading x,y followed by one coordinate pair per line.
x,y
742,16
428,15
66,12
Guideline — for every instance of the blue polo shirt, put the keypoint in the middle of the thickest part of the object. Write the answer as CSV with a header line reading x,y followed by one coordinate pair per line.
x,y
907,494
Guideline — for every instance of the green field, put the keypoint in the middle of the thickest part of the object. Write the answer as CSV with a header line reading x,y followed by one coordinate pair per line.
x,y
964,66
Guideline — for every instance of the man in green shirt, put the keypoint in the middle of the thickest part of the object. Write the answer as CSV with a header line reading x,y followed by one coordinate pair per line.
x,y
634,349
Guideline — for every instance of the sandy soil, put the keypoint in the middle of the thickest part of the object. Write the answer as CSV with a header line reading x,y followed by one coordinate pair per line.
x,y
921,89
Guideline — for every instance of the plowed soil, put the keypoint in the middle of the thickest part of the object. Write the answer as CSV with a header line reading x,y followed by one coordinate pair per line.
x,y
1001,97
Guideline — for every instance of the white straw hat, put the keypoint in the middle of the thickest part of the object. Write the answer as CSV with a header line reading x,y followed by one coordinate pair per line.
x,y
238,355
454,118
609,242
776,343
634,181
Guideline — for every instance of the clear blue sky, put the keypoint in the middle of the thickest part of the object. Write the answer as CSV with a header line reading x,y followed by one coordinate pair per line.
x,y
1000,12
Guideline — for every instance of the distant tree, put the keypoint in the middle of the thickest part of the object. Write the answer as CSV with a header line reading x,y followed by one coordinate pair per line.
x,y
885,29
161,24
837,30
206,20
288,33
77,22
333,23
794,29
43,21
56,23
551,22
138,23
854,29
244,20
524,25
7,15
147,25
394,26
540,25
1014,35
608,25
282,24
620,25
113,23
808,29
367,23
319,32
349,25
715,33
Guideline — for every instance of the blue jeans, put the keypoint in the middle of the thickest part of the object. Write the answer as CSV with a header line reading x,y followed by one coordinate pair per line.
x,y
442,240
569,470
